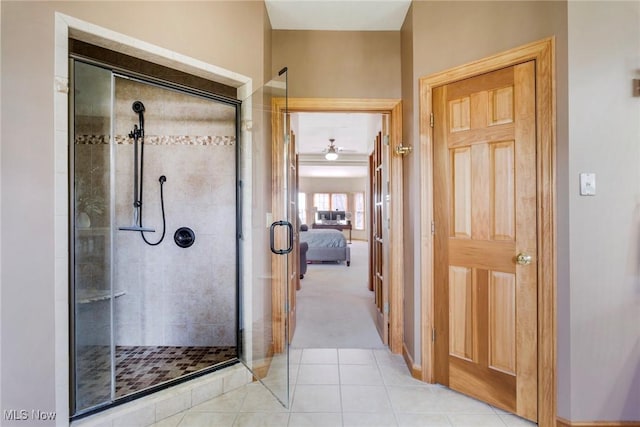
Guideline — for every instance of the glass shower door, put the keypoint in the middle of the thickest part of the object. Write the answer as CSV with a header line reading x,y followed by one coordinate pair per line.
x,y
268,240
91,291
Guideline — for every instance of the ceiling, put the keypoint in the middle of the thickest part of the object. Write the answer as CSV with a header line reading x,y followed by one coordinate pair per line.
x,y
351,132
354,132
337,15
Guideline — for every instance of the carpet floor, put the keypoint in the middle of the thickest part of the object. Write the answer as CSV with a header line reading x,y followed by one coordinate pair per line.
x,y
335,308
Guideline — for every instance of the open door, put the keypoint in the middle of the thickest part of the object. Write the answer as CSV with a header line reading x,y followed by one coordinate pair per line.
x,y
267,237
293,262
379,235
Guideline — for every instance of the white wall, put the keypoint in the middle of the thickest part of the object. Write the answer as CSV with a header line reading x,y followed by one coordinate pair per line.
x,y
604,138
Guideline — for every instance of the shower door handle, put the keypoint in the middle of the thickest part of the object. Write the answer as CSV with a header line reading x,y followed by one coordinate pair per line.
x,y
272,237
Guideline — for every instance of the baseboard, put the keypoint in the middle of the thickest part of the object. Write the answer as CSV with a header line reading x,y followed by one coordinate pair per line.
x,y
561,422
416,371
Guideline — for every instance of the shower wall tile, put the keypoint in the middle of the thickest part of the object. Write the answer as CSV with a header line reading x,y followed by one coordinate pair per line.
x,y
177,335
176,308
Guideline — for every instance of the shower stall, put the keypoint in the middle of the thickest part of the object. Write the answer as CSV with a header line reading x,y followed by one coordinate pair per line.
x,y
154,234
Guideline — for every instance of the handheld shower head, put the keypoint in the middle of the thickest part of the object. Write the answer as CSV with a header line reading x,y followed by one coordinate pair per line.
x,y
138,107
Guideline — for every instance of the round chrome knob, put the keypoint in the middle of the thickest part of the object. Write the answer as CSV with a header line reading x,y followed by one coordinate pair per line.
x,y
523,259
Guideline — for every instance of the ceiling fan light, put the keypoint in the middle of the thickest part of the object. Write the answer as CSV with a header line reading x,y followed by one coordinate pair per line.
x,y
331,155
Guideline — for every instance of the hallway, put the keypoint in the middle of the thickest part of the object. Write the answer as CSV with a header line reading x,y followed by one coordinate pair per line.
x,y
348,388
335,308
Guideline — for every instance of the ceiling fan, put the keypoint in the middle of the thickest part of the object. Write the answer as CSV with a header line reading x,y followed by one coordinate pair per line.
x,y
331,152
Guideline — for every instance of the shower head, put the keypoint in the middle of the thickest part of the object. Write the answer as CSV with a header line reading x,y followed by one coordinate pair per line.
x,y
138,107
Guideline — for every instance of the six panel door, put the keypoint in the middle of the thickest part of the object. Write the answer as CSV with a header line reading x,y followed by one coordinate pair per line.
x,y
485,216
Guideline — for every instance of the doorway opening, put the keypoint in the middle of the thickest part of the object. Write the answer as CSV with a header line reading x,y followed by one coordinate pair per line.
x,y
392,108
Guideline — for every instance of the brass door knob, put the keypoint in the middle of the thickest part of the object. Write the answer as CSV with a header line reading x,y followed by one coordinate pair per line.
x,y
523,259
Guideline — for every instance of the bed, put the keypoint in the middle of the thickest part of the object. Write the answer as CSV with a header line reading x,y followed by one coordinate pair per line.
x,y
326,245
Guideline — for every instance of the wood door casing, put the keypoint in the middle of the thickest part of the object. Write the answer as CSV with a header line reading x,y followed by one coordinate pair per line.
x,y
484,215
293,258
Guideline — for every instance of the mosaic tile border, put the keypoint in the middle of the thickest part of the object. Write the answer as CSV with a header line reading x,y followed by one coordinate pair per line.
x,y
196,140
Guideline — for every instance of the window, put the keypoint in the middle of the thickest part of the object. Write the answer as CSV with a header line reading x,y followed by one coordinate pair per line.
x,y
330,202
321,201
339,202
359,211
302,208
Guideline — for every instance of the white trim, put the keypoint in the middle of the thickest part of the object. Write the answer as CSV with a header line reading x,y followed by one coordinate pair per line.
x,y
65,26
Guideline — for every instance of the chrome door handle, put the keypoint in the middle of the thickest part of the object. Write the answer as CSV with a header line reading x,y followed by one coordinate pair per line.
x,y
523,259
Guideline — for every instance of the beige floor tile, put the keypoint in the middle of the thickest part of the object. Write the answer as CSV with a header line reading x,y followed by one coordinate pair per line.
x,y
354,419
365,398
355,356
399,375
228,402
413,399
466,420
259,399
207,419
172,421
318,374
422,420
315,419
317,398
360,375
385,356
261,420
294,369
319,356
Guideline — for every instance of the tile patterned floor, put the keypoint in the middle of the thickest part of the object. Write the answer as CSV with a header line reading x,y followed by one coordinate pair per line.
x,y
140,367
346,388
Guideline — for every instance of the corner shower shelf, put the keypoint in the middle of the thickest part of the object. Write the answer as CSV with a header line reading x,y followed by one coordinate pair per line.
x,y
94,296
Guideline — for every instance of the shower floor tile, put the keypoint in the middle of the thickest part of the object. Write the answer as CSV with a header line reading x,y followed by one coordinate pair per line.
x,y
138,368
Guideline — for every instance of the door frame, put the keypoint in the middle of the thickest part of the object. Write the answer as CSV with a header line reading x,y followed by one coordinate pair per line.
x,y
393,107
543,53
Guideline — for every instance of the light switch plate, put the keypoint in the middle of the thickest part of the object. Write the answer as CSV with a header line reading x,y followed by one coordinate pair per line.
x,y
587,184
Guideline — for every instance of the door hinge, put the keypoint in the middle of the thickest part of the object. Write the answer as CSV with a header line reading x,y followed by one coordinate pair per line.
x,y
431,120
433,335
286,308
433,227
385,308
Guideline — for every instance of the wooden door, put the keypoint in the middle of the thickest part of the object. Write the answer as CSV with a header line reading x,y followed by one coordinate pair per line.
x,y
379,239
293,273
485,215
